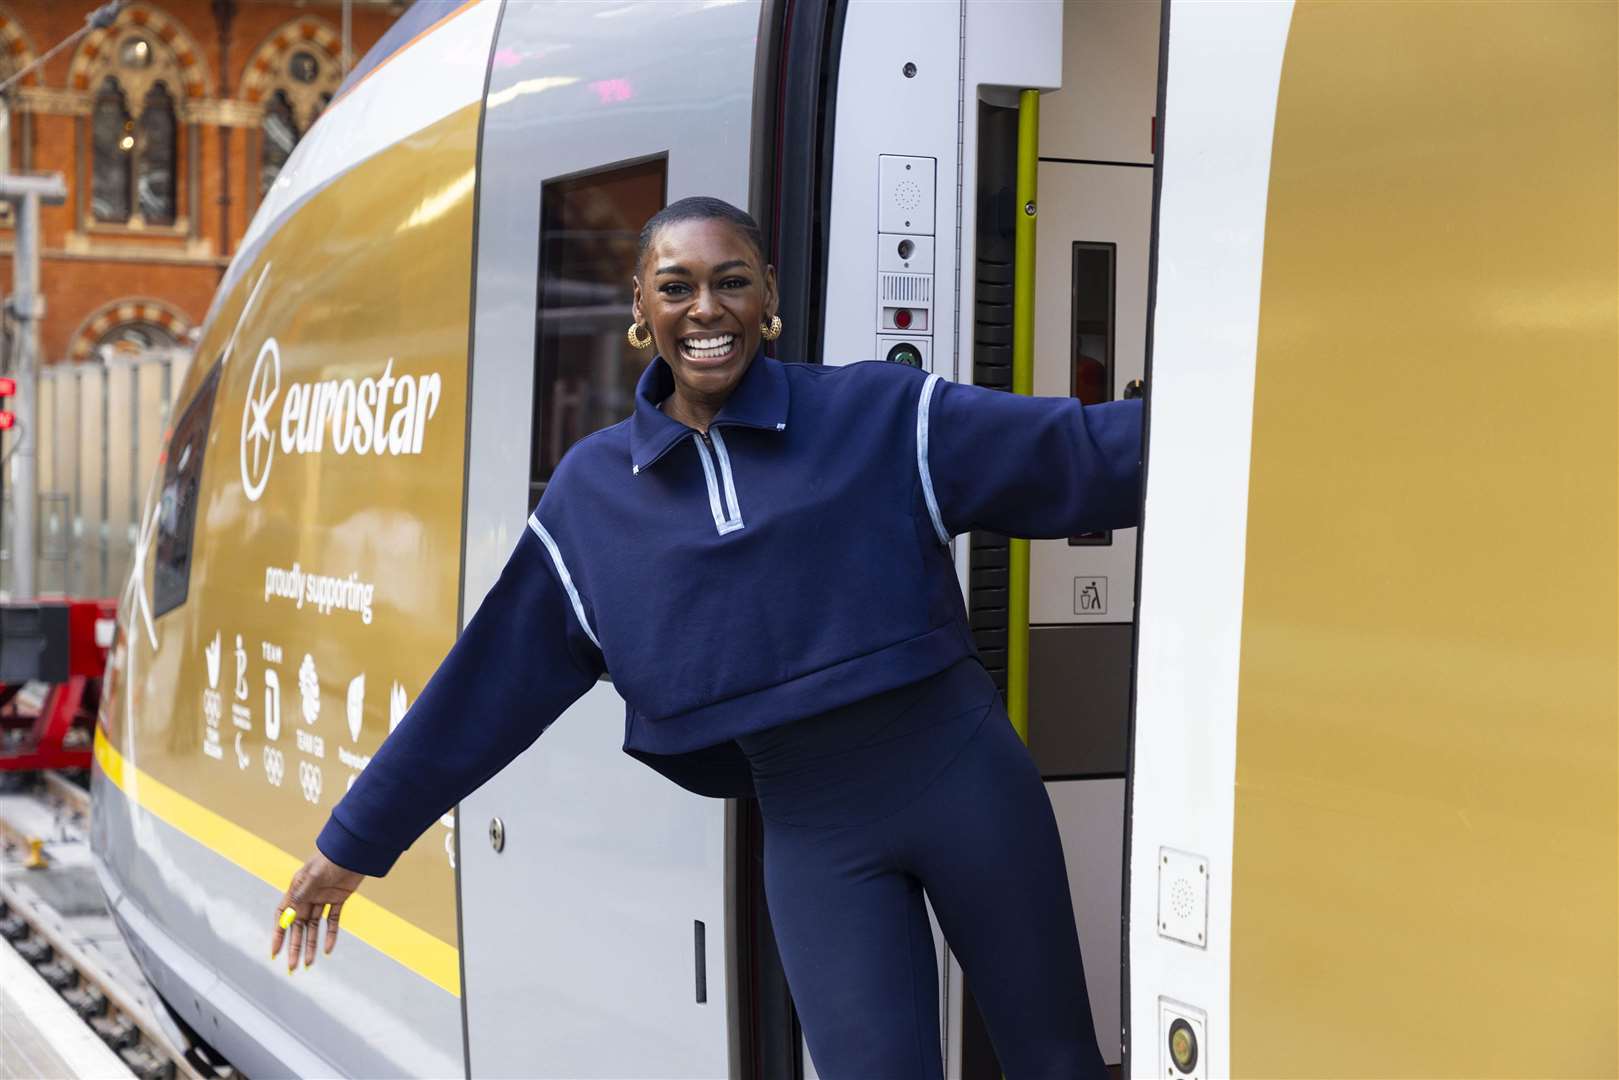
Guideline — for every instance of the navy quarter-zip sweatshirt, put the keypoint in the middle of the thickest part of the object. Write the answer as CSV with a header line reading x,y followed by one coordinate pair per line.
x,y
793,561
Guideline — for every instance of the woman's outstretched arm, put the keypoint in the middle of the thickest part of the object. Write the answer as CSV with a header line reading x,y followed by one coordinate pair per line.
x,y
1030,466
520,662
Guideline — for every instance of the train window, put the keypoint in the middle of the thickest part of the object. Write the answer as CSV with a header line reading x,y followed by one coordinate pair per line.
x,y
1092,336
1091,339
177,506
584,369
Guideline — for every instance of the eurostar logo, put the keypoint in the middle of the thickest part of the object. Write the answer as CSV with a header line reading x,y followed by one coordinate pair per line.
x,y
258,441
373,416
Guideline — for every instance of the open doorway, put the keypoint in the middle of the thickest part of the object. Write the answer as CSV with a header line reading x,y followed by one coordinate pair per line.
x,y
1096,149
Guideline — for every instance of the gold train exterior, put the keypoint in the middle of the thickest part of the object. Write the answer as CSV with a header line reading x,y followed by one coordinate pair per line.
x,y
338,305
1427,736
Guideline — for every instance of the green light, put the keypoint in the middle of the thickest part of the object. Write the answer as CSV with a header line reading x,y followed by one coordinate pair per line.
x,y
905,353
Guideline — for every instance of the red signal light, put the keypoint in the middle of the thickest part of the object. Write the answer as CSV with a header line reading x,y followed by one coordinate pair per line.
x,y
902,318
7,421
7,386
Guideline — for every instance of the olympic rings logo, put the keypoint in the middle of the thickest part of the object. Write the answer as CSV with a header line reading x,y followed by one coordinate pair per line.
x,y
275,766
309,779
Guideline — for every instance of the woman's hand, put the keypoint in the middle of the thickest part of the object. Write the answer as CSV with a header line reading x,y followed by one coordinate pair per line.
x,y
318,883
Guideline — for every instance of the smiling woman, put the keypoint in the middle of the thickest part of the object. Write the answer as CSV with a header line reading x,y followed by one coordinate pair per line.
x,y
861,705
709,297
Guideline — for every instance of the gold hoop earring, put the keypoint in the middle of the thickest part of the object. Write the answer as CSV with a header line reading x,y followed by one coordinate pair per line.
x,y
635,339
772,331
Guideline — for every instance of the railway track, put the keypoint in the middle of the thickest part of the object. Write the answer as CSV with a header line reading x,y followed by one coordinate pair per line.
x,y
54,916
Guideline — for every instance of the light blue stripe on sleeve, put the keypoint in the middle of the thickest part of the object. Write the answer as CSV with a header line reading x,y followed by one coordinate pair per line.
x,y
562,572
922,457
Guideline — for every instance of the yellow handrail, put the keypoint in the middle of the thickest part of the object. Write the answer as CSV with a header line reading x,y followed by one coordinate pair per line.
x,y
1017,575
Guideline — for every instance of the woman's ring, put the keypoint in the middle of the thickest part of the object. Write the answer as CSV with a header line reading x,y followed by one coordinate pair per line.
x,y
288,916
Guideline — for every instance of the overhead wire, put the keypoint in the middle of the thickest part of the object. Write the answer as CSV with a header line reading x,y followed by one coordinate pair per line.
x,y
99,19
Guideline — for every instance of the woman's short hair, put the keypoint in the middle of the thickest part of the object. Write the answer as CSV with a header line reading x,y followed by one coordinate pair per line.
x,y
700,208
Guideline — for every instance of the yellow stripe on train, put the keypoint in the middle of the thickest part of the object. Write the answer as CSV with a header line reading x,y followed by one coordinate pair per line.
x,y
405,943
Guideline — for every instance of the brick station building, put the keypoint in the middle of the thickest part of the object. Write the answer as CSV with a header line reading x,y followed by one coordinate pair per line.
x,y
167,127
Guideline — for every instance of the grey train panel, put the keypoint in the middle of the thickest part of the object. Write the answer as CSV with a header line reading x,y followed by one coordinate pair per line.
x,y
1079,698
162,885
578,936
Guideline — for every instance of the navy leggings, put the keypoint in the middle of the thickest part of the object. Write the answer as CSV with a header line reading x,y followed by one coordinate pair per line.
x,y
924,789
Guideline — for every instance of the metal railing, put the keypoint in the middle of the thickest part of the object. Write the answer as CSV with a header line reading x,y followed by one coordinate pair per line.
x,y
100,429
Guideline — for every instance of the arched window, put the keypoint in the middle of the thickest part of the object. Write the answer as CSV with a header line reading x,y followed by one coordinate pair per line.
x,y
155,146
112,141
16,119
136,336
293,76
279,134
131,324
144,78
9,115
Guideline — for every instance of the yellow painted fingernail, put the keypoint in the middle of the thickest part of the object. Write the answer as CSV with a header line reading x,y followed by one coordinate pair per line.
x,y
288,916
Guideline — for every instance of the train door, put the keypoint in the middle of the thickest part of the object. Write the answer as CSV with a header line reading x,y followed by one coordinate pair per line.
x,y
937,169
593,892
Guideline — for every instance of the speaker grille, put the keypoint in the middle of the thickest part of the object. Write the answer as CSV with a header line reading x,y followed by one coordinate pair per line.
x,y
907,288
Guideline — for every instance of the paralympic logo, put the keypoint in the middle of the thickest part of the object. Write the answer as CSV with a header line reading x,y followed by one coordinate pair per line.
x,y
385,414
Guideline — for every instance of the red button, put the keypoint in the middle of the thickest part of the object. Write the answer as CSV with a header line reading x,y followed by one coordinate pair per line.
x,y
902,318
